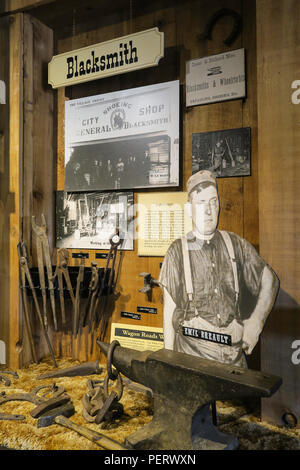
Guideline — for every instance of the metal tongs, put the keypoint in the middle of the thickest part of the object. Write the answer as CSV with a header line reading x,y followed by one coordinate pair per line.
x,y
25,273
43,255
62,271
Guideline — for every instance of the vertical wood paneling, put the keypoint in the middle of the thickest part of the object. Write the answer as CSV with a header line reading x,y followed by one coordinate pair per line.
x,y
15,170
278,65
37,178
5,200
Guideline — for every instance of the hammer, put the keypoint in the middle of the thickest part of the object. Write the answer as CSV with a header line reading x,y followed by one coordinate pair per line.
x,y
58,416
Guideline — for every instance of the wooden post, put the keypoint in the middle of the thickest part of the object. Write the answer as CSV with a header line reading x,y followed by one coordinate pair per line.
x,y
15,159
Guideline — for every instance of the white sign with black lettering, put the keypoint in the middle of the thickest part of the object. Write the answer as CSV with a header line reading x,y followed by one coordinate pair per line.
x,y
207,335
125,54
216,78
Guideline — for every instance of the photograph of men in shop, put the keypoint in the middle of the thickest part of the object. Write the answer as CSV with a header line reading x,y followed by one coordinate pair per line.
x,y
218,291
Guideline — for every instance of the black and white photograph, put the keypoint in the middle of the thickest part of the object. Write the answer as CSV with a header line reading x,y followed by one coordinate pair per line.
x,y
225,153
88,220
123,140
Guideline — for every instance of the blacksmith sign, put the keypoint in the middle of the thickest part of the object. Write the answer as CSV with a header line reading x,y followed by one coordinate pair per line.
x,y
123,140
125,54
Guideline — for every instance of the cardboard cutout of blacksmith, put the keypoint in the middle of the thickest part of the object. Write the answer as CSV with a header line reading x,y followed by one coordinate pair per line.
x,y
218,291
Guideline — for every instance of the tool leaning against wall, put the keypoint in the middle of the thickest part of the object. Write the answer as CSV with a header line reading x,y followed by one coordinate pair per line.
x,y
100,300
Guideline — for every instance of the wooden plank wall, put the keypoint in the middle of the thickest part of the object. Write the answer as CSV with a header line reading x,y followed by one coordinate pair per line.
x,y
15,170
278,41
4,186
27,180
182,23
38,166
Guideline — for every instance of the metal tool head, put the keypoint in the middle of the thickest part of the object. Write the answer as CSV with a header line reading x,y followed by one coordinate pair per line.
x,y
63,256
48,418
40,230
115,240
22,250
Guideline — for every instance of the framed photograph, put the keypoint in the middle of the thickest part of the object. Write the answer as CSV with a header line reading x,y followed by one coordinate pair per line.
x,y
123,140
216,78
88,220
225,153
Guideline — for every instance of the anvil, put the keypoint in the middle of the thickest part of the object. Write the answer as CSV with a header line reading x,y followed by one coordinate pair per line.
x,y
183,388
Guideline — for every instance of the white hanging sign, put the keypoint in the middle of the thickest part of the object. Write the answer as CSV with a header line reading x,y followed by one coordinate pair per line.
x,y
125,54
216,78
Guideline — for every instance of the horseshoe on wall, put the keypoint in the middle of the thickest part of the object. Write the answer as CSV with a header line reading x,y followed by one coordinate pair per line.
x,y
237,26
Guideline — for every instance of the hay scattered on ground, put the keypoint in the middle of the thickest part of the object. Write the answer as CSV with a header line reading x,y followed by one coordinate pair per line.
x,y
233,418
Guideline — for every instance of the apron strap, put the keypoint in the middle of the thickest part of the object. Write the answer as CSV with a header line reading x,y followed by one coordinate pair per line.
x,y
229,246
187,269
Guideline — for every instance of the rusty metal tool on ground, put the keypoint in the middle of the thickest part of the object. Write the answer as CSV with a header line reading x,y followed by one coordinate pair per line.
x,y
22,253
43,256
4,416
60,272
99,439
93,368
42,402
87,368
5,379
101,405
67,409
25,273
183,388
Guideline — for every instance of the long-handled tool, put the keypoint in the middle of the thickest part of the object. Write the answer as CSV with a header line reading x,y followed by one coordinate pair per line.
x,y
23,252
25,273
60,272
115,242
99,439
86,318
43,255
77,298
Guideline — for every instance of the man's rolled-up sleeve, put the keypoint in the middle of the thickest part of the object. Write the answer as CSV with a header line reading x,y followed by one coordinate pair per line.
x,y
171,274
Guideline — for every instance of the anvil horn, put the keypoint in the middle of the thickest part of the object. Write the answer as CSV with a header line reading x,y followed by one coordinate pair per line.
x,y
123,359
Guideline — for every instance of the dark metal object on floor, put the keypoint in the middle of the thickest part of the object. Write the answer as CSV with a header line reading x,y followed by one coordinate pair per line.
x,y
100,405
4,416
47,418
87,368
183,388
42,402
99,439
5,379
289,419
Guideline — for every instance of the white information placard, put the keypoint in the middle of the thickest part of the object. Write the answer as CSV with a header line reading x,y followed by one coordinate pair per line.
x,y
216,78
162,218
141,338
